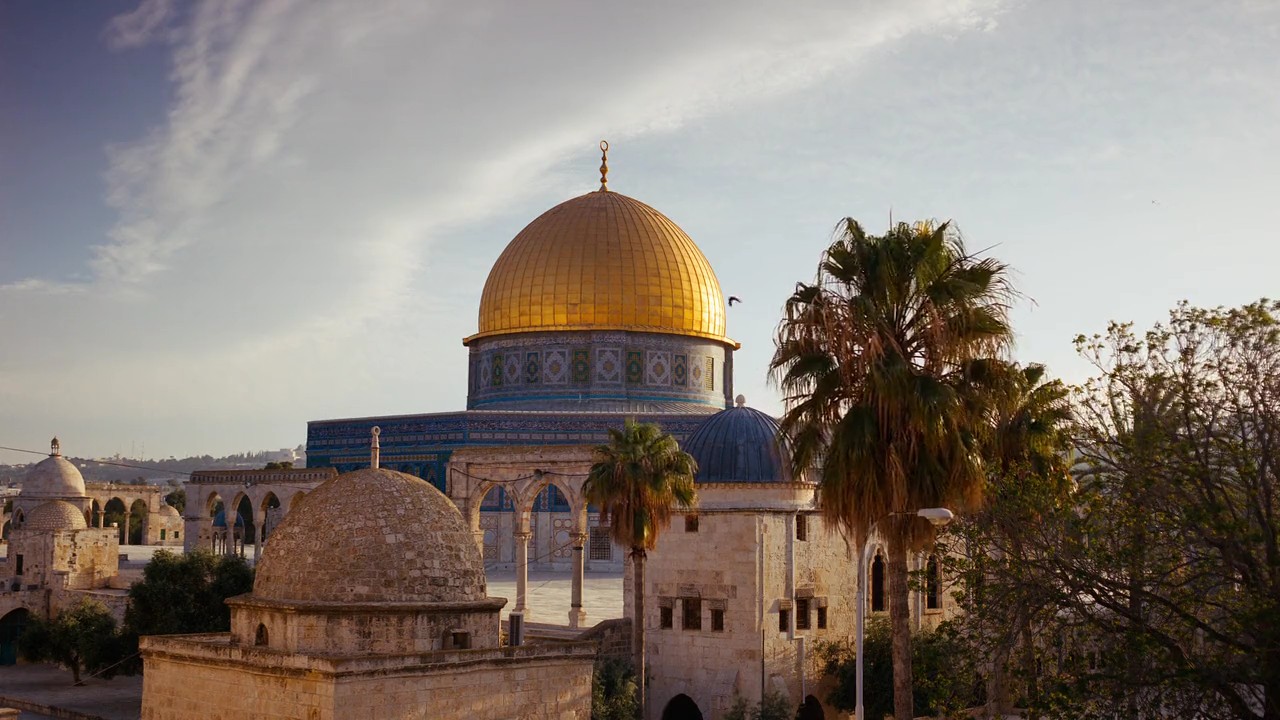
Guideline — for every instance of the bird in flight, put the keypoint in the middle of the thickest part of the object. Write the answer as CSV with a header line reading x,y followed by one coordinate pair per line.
x,y
734,299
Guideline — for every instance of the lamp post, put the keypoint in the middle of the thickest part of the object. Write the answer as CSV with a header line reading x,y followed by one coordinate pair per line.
x,y
937,516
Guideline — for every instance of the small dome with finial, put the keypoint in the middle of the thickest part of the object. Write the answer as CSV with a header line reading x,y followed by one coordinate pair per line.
x,y
53,477
739,445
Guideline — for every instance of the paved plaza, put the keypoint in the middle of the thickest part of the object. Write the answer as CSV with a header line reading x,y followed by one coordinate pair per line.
x,y
117,699
549,595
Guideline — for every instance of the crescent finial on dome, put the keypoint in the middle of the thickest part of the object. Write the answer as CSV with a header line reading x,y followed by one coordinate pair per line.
x,y
375,449
55,448
604,166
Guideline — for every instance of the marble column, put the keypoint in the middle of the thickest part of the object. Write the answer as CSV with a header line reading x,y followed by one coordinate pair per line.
x,y
522,571
578,616
102,518
124,532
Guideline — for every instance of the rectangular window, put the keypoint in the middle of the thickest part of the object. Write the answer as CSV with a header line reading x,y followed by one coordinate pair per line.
x,y
18,560
802,527
717,620
932,583
802,613
784,620
822,618
601,543
692,613
710,377
691,523
162,534
664,617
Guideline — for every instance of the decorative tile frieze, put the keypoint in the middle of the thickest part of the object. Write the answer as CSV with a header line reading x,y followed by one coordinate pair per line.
x,y
657,370
608,365
555,367
635,367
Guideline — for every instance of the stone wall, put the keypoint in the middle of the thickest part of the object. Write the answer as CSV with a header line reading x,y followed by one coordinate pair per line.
x,y
205,677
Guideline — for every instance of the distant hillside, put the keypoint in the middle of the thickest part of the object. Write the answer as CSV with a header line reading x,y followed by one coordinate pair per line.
x,y
155,471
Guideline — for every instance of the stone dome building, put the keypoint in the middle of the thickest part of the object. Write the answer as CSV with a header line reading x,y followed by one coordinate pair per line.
x,y
753,574
54,478
369,601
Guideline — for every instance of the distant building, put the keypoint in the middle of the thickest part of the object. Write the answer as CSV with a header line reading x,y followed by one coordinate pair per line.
x,y
54,559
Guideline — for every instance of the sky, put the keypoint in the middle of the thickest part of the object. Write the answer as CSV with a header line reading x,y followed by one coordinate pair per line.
x,y
222,219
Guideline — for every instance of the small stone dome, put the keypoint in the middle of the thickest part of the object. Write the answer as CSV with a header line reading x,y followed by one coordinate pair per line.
x,y
53,516
741,445
168,510
53,477
373,535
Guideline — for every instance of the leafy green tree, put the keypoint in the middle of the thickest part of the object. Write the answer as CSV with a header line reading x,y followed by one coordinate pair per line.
x,y
947,677
640,476
1149,585
284,465
81,638
613,691
881,361
773,706
184,593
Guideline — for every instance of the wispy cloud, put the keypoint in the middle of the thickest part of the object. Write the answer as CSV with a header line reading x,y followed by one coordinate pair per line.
x,y
289,203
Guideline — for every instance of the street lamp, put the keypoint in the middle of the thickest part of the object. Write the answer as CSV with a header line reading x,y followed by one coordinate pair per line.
x,y
939,517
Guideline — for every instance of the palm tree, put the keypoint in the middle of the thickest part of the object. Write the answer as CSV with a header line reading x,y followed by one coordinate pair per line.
x,y
876,361
1028,447
639,477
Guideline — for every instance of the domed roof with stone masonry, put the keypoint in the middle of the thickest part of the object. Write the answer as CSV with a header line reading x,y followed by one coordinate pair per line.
x,y
370,536
739,445
53,477
170,511
602,261
53,516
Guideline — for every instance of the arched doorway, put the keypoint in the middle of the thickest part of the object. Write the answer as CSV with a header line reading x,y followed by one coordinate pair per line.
x,y
11,626
116,512
139,518
271,514
810,709
681,707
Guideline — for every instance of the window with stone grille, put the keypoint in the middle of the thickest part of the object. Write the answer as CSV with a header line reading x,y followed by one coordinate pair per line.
x,y
784,620
691,523
802,613
601,543
692,619
717,620
802,526
822,618
664,615
710,376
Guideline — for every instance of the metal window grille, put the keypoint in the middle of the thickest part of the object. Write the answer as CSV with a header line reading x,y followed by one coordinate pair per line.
x,y
601,543
802,613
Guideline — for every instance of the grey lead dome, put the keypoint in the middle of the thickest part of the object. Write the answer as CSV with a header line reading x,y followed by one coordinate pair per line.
x,y
739,445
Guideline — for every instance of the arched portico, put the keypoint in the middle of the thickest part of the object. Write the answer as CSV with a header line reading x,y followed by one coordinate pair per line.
x,y
541,488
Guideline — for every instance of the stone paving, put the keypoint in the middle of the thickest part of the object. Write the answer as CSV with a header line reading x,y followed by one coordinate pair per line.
x,y
117,699
550,593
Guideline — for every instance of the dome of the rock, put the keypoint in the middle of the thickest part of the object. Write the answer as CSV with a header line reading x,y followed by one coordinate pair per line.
x,y
602,261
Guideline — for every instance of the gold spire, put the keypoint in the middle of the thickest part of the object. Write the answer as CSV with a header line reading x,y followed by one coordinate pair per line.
x,y
604,166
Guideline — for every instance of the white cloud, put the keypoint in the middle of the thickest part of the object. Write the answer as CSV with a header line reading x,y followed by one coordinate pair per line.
x,y
274,248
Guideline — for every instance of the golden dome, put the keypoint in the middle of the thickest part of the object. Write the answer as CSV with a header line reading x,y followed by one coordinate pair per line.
x,y
602,261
